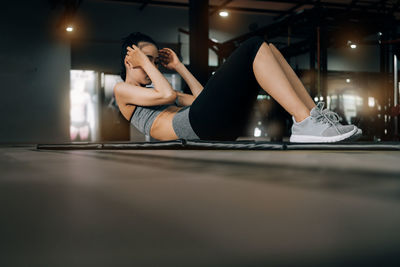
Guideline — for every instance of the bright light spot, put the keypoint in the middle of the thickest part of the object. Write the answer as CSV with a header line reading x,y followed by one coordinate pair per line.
x,y
69,29
316,99
379,33
83,112
371,101
385,131
215,40
347,80
257,132
321,98
223,13
213,73
353,46
259,123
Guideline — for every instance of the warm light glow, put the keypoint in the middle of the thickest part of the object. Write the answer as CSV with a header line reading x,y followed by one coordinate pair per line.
x,y
347,80
371,102
223,13
351,44
69,29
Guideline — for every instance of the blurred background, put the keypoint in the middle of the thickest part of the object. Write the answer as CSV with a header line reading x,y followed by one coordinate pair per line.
x,y
59,61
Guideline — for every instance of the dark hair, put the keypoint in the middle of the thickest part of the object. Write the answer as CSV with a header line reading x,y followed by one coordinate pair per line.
x,y
133,38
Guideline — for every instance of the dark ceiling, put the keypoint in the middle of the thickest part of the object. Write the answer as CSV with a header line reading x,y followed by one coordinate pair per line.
x,y
299,20
284,7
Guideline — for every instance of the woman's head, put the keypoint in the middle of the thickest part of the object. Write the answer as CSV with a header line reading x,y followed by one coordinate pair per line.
x,y
148,46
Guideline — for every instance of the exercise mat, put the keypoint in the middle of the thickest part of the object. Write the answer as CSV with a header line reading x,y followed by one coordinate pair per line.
x,y
174,144
224,145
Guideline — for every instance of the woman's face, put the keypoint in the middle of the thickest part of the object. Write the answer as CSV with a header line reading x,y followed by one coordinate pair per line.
x,y
138,74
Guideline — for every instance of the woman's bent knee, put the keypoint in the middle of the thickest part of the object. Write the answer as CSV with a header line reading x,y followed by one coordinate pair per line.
x,y
253,44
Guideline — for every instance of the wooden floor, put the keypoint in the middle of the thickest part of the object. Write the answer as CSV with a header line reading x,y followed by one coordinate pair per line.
x,y
199,208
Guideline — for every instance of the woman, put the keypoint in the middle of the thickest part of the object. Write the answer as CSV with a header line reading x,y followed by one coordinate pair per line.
x,y
220,110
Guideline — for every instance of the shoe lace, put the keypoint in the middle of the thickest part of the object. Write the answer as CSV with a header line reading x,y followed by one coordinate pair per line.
x,y
327,116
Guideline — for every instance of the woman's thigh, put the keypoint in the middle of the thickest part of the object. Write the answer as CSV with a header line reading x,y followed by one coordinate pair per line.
x,y
221,111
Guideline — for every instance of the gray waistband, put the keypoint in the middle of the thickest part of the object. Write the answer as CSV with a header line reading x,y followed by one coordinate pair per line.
x,y
181,125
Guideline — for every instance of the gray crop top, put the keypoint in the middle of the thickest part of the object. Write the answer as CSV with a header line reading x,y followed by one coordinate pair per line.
x,y
143,117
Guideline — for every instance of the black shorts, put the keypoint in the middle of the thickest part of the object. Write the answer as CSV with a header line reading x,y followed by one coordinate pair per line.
x,y
222,110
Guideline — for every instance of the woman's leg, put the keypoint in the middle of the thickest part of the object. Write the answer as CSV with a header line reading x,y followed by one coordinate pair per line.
x,y
293,79
223,109
271,77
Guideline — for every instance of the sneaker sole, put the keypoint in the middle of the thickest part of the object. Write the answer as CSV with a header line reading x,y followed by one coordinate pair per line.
x,y
355,136
321,139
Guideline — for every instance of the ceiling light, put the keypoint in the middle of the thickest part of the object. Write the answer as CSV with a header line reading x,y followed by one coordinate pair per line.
x,y
223,13
69,28
351,44
347,80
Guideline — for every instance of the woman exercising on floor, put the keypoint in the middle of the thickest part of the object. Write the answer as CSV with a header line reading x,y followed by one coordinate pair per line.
x,y
220,110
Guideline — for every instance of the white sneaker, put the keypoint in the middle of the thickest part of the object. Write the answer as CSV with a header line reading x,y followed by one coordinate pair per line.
x,y
320,127
335,117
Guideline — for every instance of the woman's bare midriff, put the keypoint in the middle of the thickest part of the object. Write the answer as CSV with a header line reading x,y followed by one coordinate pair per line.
x,y
162,128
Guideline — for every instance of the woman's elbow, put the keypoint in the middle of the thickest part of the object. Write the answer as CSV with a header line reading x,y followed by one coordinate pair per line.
x,y
116,89
170,98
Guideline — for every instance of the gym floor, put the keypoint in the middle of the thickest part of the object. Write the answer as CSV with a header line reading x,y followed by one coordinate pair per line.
x,y
199,208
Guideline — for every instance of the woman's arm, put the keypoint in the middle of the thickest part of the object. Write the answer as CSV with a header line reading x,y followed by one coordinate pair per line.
x,y
169,60
191,81
185,99
161,85
129,94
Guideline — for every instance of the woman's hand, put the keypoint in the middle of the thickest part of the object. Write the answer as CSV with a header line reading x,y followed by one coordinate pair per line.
x,y
135,56
168,58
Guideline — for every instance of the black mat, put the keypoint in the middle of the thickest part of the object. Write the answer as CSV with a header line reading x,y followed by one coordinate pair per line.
x,y
224,145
